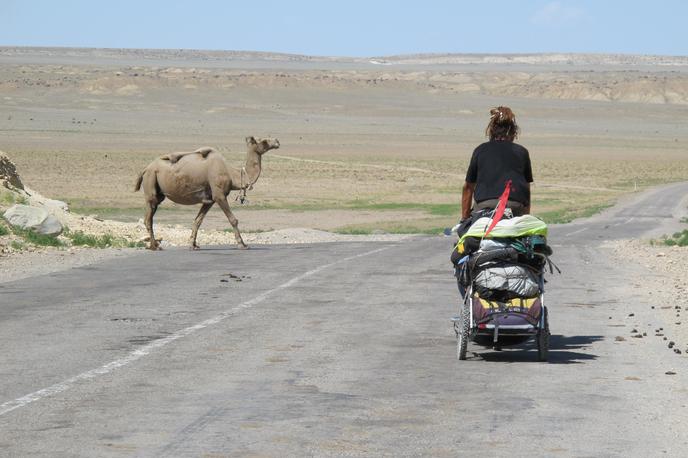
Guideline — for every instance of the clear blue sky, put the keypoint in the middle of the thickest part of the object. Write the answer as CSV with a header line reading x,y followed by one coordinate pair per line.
x,y
353,27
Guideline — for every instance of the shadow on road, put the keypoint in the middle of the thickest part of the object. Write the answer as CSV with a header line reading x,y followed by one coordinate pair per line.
x,y
561,351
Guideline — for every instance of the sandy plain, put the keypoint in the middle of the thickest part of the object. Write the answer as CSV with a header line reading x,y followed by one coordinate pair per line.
x,y
376,144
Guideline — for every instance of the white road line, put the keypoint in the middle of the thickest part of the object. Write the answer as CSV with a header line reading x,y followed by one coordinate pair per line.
x,y
147,349
623,223
575,232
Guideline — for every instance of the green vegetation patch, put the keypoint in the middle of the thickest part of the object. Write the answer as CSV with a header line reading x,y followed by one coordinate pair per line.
x,y
676,239
79,238
37,239
428,227
433,209
9,198
568,214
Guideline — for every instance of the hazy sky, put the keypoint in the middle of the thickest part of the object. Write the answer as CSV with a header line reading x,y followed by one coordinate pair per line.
x,y
353,27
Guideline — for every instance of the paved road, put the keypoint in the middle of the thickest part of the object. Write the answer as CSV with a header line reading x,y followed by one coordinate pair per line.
x,y
333,350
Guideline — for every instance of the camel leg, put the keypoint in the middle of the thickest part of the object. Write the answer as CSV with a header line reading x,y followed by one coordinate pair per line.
x,y
151,208
153,199
197,223
224,205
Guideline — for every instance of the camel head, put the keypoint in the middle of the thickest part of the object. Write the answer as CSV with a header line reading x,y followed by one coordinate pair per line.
x,y
261,145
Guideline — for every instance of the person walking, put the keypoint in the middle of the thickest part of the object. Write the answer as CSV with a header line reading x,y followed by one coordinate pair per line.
x,y
493,164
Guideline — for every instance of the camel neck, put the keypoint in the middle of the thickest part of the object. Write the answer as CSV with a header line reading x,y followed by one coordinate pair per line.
x,y
252,166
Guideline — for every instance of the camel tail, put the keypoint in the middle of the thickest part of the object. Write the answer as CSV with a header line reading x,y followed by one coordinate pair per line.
x,y
139,180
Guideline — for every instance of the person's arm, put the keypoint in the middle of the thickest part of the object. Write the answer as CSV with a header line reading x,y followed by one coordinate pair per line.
x,y
529,179
467,199
469,186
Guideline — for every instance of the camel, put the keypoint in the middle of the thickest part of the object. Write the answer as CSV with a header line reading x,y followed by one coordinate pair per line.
x,y
200,177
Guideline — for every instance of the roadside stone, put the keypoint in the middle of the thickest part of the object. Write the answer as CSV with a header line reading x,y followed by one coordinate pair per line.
x,y
55,206
620,339
33,218
9,178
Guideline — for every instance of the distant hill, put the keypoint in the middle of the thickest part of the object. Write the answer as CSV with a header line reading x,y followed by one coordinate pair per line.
x,y
409,59
134,72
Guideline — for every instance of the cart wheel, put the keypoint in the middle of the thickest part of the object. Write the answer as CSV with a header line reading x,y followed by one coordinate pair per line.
x,y
543,338
462,332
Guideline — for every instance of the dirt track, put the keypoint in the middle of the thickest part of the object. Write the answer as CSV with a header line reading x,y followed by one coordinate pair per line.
x,y
81,124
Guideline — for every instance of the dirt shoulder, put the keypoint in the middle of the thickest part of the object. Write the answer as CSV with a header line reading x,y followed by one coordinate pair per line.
x,y
664,281
42,261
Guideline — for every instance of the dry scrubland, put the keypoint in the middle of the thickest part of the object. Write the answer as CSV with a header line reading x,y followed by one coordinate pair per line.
x,y
365,146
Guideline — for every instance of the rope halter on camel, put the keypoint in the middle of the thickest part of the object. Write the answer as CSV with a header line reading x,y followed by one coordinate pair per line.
x,y
243,188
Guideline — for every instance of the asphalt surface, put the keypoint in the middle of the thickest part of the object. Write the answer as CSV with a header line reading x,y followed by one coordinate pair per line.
x,y
341,349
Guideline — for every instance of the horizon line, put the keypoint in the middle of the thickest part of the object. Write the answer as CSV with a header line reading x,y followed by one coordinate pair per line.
x,y
325,56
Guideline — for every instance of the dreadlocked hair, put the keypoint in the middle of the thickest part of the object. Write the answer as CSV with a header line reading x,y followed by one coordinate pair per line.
x,y
502,125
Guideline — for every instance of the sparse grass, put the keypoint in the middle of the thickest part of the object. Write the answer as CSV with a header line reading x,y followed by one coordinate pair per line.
x,y
79,238
566,215
451,209
566,187
8,198
248,231
413,227
433,209
349,230
676,239
105,212
35,238
684,220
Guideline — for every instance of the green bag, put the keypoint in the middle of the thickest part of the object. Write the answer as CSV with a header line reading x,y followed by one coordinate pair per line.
x,y
519,226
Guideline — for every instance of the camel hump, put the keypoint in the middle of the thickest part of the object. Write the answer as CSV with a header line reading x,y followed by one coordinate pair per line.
x,y
204,151
174,157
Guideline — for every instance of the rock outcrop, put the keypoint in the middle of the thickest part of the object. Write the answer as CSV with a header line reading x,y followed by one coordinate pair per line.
x,y
9,178
33,218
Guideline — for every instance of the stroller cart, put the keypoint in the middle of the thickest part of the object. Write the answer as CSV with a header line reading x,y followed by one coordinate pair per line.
x,y
501,278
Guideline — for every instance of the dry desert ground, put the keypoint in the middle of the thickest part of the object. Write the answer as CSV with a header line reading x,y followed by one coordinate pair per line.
x,y
368,145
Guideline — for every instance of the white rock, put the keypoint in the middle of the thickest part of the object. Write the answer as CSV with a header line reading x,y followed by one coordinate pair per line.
x,y
34,218
53,206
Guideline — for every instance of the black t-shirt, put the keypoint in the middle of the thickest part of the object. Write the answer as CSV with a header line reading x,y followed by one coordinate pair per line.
x,y
494,163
